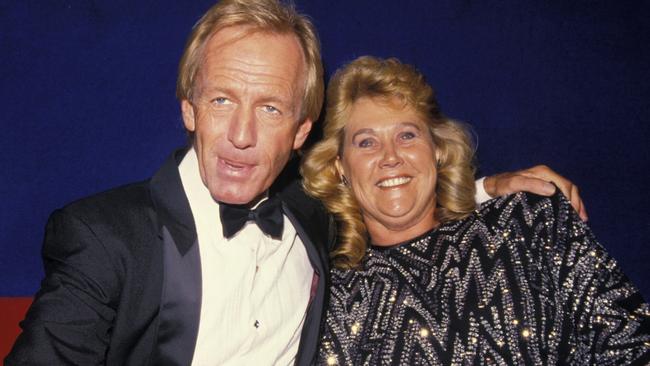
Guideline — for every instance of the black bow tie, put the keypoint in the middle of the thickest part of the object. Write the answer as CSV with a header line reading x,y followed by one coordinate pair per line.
x,y
268,216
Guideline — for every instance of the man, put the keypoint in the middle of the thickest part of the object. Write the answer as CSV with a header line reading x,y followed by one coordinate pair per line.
x,y
177,270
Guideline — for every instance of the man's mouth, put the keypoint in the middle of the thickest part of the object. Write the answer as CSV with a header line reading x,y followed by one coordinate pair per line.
x,y
393,182
233,165
235,168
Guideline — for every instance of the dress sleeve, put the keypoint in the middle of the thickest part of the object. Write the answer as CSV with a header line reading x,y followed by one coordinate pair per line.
x,y
72,314
610,318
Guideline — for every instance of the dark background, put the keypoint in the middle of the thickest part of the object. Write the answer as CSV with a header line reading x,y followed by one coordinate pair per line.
x,y
87,99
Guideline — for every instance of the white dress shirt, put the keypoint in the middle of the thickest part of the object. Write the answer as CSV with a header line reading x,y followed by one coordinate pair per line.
x,y
255,289
481,195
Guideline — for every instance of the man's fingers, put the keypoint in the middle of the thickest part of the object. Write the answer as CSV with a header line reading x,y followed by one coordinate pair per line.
x,y
540,180
549,175
534,185
571,192
565,186
578,205
513,183
583,213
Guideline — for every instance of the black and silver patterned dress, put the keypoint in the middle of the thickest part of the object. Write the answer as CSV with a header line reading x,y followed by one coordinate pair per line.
x,y
522,281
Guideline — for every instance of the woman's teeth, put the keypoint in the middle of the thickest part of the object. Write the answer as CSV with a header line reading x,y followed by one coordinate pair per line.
x,y
392,182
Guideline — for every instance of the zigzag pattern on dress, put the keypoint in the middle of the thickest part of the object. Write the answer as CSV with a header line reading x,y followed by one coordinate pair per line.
x,y
522,281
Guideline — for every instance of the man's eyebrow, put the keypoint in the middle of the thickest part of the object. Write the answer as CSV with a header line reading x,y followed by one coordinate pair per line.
x,y
214,89
274,99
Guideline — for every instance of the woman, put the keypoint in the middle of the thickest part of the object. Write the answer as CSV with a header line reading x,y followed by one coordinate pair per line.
x,y
424,277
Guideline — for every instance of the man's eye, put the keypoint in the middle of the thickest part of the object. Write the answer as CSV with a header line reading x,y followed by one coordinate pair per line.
x,y
221,100
270,109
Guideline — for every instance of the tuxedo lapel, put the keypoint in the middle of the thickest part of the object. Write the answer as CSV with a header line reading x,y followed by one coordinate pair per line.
x,y
171,203
304,225
180,303
311,224
311,327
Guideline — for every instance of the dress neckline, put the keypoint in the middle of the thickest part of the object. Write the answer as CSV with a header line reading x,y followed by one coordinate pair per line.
x,y
387,248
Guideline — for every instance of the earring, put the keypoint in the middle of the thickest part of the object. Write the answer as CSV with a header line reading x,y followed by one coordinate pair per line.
x,y
344,181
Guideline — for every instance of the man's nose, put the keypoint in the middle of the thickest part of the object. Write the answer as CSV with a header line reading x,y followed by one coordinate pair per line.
x,y
242,132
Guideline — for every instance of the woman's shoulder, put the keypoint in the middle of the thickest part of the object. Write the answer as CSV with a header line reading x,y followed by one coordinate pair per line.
x,y
528,209
539,227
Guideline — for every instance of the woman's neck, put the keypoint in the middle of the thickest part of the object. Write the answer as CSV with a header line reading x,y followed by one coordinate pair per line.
x,y
382,235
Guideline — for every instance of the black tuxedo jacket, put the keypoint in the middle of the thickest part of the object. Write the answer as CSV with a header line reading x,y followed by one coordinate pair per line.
x,y
123,279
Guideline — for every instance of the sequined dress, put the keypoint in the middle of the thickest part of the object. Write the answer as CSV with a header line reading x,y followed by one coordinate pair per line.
x,y
521,281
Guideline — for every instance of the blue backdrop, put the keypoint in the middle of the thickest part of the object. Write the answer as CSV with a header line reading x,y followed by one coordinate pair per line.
x,y
87,93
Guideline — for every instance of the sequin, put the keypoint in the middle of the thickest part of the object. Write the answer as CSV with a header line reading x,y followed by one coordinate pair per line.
x,y
520,281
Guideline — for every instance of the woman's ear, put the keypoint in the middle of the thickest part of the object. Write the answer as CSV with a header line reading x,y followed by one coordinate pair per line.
x,y
340,170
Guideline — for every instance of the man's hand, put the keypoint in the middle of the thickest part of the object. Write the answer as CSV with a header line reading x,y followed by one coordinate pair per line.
x,y
535,180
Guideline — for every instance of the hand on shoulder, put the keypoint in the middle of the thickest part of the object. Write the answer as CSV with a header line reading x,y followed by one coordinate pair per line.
x,y
540,180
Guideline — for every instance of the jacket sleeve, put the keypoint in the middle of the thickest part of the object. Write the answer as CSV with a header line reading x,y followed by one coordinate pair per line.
x,y
72,314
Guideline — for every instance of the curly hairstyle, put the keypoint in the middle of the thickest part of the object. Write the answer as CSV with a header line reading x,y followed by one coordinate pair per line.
x,y
387,79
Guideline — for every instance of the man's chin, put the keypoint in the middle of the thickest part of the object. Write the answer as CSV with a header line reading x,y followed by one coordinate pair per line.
x,y
234,197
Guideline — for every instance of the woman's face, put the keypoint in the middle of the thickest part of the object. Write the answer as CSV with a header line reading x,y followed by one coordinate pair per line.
x,y
388,158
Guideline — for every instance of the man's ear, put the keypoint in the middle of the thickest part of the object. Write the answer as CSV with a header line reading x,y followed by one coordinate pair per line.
x,y
188,115
302,133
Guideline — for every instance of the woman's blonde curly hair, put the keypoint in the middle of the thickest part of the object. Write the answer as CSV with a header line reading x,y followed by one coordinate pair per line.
x,y
387,79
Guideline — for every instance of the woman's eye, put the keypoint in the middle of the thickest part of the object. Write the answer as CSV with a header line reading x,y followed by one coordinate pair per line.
x,y
407,135
366,143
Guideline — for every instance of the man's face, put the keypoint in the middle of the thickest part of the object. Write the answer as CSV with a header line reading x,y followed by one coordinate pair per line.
x,y
245,113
